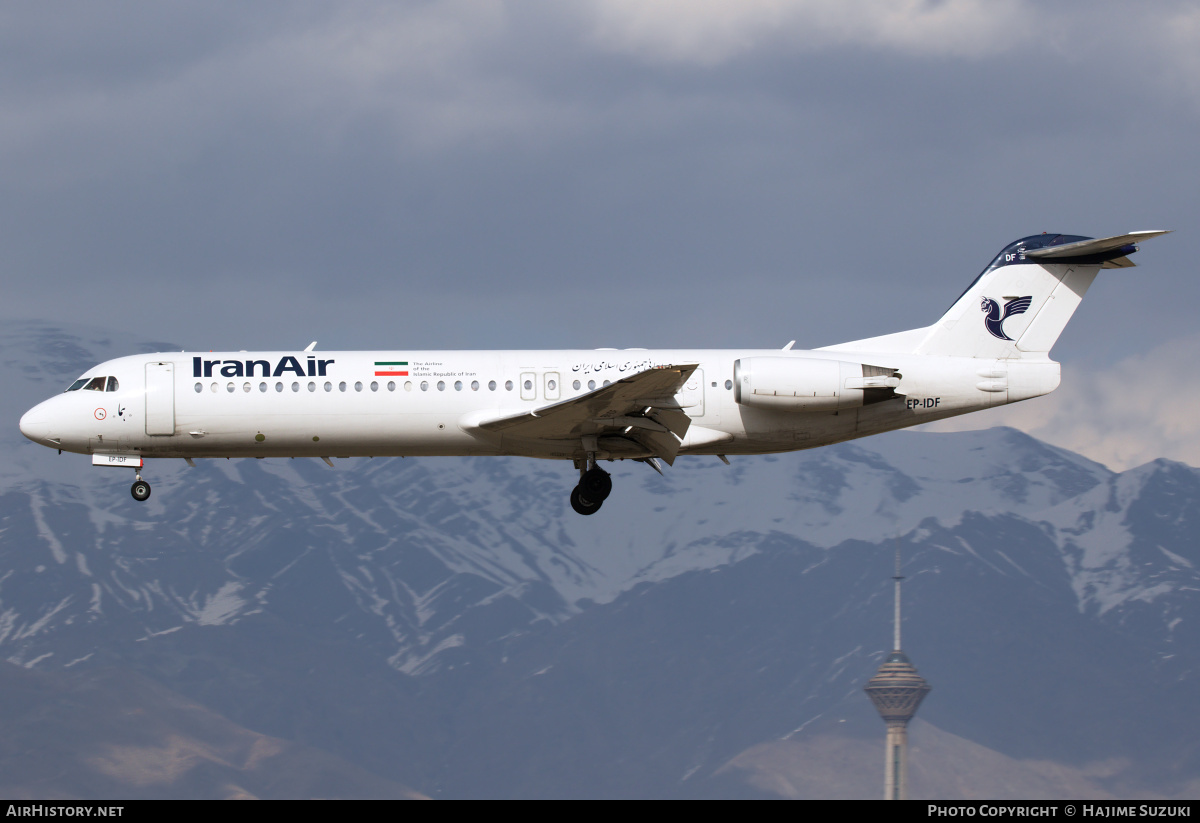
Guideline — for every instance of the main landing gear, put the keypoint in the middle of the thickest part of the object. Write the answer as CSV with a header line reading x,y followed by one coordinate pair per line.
x,y
140,489
595,484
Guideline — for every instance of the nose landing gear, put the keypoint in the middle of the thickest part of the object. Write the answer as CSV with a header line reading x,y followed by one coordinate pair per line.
x,y
595,484
140,489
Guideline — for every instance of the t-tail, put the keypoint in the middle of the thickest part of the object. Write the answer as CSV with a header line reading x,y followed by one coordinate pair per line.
x,y
1019,305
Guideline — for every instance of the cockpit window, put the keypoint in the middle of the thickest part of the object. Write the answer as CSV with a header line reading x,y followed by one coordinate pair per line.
x,y
113,385
96,384
78,384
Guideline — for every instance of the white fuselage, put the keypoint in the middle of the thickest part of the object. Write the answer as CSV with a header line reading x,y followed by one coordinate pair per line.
x,y
990,348
345,404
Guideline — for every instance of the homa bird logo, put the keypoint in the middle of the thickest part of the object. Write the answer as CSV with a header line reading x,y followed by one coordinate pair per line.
x,y
994,322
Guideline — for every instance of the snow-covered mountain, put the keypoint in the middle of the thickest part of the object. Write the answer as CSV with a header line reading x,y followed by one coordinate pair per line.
x,y
444,622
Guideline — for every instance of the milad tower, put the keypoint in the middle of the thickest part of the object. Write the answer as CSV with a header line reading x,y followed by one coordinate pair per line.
x,y
897,690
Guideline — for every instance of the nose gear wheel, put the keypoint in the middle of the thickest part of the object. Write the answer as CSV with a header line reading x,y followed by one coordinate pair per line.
x,y
140,490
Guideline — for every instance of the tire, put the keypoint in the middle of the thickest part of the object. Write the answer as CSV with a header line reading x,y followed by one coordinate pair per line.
x,y
582,506
596,484
140,491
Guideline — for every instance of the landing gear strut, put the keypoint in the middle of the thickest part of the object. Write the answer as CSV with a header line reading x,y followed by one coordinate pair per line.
x,y
595,484
140,489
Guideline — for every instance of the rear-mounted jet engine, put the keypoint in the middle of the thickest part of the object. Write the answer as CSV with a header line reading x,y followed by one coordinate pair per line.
x,y
802,384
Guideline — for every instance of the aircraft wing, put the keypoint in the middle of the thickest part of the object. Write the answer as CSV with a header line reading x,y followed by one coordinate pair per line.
x,y
641,407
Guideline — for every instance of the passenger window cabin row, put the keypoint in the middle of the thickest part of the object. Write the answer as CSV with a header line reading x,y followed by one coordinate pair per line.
x,y
424,385
108,383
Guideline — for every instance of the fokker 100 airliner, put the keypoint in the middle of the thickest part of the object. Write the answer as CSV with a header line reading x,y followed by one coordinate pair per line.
x,y
992,347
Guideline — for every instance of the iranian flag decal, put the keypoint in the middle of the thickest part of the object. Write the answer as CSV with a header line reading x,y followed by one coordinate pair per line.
x,y
393,368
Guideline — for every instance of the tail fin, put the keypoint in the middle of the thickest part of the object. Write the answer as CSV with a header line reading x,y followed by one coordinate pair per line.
x,y
1022,301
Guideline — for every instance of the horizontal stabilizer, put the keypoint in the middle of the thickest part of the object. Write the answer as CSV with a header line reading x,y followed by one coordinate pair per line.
x,y
1088,248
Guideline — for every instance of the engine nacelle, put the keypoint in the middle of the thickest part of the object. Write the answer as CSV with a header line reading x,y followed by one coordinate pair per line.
x,y
805,384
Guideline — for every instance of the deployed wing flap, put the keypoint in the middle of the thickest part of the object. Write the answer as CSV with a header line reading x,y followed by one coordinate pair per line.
x,y
675,420
647,396
663,444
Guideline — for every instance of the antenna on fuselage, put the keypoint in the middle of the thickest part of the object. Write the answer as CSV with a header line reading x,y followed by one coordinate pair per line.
x,y
311,346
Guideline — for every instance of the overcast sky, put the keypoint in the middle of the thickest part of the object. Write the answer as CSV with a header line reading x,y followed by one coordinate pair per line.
x,y
608,173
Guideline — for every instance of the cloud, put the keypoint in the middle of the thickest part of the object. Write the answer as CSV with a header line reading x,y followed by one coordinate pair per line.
x,y
1177,40
709,32
729,174
1122,415
315,75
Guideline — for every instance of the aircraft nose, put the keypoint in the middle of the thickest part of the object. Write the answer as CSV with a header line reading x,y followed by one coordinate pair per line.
x,y
35,424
